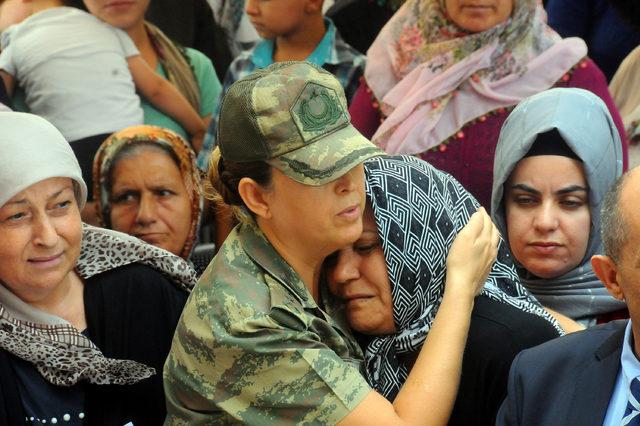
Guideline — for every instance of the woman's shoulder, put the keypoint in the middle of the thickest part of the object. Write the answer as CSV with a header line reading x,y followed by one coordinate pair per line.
x,y
207,79
134,279
510,327
584,75
232,280
238,289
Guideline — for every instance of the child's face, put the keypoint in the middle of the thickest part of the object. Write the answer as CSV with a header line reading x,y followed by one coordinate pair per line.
x,y
13,12
277,18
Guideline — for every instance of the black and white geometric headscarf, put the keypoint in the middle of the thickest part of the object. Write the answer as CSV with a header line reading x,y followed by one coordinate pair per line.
x,y
419,210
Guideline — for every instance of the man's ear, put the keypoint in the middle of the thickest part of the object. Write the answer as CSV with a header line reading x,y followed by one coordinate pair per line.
x,y
606,270
253,196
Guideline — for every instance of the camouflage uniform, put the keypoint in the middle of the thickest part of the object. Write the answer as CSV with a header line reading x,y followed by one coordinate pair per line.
x,y
252,346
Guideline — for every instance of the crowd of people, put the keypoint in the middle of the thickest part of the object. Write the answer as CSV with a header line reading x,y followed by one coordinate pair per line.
x,y
435,226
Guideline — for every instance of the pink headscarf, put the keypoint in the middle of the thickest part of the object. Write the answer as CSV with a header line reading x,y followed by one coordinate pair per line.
x,y
431,77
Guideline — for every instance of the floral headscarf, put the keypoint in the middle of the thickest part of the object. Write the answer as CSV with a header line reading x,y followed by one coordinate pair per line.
x,y
103,163
431,77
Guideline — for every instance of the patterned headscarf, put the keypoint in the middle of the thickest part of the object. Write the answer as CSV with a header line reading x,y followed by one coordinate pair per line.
x,y
33,150
62,354
432,77
103,163
419,210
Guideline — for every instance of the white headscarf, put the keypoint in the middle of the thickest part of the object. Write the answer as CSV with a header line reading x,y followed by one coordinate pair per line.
x,y
34,150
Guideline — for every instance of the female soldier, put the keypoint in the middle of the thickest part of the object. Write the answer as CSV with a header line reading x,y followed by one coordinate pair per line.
x,y
253,345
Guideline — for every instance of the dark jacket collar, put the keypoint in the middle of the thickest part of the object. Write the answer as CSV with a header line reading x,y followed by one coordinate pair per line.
x,y
595,381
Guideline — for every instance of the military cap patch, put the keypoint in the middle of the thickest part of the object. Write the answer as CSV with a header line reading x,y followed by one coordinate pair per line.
x,y
318,112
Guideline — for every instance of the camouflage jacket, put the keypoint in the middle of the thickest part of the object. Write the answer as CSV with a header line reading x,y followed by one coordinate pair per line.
x,y
252,346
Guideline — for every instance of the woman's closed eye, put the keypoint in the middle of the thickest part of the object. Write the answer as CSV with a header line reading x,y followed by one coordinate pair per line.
x,y
366,247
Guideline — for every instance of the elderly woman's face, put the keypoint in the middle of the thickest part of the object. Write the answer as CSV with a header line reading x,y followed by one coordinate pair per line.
x,y
41,233
547,212
478,15
123,14
358,275
149,199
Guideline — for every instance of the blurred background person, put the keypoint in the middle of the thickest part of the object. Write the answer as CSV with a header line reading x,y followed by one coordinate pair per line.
x,y
82,74
441,80
291,30
188,69
602,24
147,185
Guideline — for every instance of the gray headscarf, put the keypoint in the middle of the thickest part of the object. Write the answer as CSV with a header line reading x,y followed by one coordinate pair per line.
x,y
34,150
584,122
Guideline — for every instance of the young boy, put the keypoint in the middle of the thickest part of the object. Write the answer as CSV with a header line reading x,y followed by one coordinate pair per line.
x,y
81,74
292,30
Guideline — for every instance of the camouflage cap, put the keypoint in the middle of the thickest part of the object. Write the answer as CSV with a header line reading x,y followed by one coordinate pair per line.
x,y
293,115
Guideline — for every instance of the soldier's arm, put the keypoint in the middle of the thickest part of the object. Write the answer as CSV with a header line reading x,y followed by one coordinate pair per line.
x,y
428,394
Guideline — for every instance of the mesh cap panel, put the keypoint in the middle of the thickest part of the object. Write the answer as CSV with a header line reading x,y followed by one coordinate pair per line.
x,y
239,136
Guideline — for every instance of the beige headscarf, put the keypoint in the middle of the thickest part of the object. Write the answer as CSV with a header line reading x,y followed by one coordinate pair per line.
x,y
178,70
625,90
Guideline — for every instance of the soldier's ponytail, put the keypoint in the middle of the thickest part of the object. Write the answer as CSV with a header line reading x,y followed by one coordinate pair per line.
x,y
221,185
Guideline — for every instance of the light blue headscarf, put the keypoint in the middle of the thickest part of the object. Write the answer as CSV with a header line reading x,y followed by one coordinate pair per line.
x,y
584,122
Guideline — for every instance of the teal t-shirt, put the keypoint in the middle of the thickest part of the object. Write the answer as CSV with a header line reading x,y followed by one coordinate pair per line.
x,y
208,83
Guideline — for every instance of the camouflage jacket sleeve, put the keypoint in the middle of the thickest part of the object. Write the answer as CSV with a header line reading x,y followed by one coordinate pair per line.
x,y
247,350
